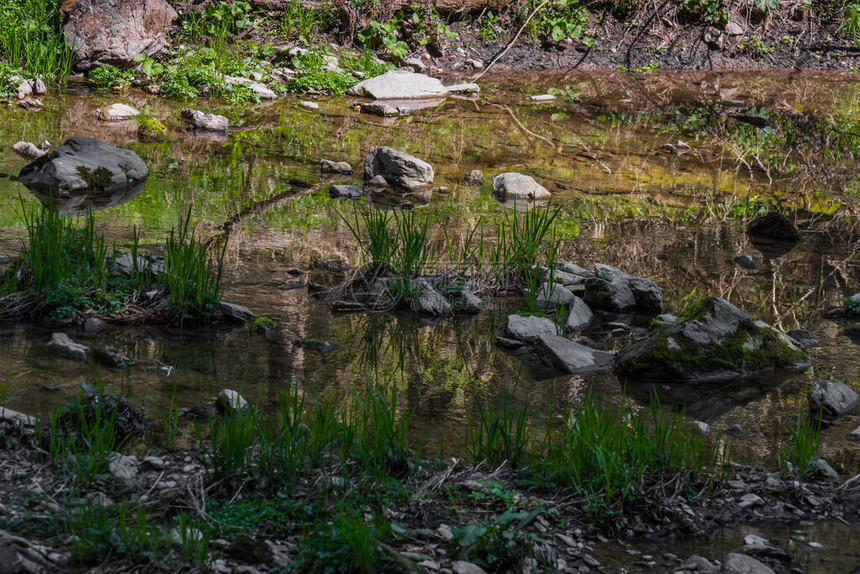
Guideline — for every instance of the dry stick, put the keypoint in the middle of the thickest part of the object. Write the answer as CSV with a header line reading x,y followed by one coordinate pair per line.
x,y
521,126
511,43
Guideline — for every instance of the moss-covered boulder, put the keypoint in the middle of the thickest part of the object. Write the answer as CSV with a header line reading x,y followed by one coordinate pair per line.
x,y
712,340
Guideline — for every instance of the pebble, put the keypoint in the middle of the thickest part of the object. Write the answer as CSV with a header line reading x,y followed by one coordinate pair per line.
x,y
153,462
750,499
445,532
309,105
463,567
735,431
700,427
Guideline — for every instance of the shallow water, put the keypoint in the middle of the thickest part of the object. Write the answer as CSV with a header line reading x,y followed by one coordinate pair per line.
x,y
625,202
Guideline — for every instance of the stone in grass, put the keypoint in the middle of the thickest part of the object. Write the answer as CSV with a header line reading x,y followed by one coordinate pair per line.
x,y
63,346
551,295
229,401
712,341
318,345
832,399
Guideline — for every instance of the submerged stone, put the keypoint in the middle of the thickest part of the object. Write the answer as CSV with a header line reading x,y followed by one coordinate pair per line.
x,y
63,346
712,341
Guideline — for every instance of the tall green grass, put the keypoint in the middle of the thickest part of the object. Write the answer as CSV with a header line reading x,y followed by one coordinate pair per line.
x,y
606,455
371,228
800,456
369,440
192,276
32,41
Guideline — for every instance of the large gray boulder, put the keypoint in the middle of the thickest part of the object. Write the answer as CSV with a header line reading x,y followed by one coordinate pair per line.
x,y
611,289
551,295
712,340
102,32
833,399
513,186
84,164
399,172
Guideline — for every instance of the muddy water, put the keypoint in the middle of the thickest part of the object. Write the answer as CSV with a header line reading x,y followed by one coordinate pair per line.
x,y
626,201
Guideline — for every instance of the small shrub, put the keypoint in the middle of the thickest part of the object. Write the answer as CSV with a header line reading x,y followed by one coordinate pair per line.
x,y
105,76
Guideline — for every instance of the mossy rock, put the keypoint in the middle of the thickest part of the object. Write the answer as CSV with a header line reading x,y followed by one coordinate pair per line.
x,y
712,340
150,129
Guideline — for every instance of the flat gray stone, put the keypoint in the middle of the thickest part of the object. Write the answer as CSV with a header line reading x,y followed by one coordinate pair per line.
x,y
463,567
572,357
528,329
338,167
399,85
116,113
63,346
236,313
735,563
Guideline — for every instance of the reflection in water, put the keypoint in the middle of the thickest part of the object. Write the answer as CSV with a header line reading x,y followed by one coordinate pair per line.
x,y
82,203
624,202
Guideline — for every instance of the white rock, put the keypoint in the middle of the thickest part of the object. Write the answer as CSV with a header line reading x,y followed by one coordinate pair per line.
x,y
61,344
116,113
516,186
542,98
229,400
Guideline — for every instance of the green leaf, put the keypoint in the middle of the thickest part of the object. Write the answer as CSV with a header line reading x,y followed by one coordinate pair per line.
x,y
468,535
557,33
140,57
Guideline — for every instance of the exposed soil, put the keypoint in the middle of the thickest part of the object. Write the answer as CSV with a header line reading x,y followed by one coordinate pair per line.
x,y
649,33
443,496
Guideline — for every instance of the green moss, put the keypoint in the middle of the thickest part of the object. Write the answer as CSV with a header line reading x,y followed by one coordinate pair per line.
x,y
149,128
682,358
99,178
695,310
263,323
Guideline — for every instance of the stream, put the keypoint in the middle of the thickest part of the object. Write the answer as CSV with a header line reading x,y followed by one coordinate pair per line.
x,y
626,200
